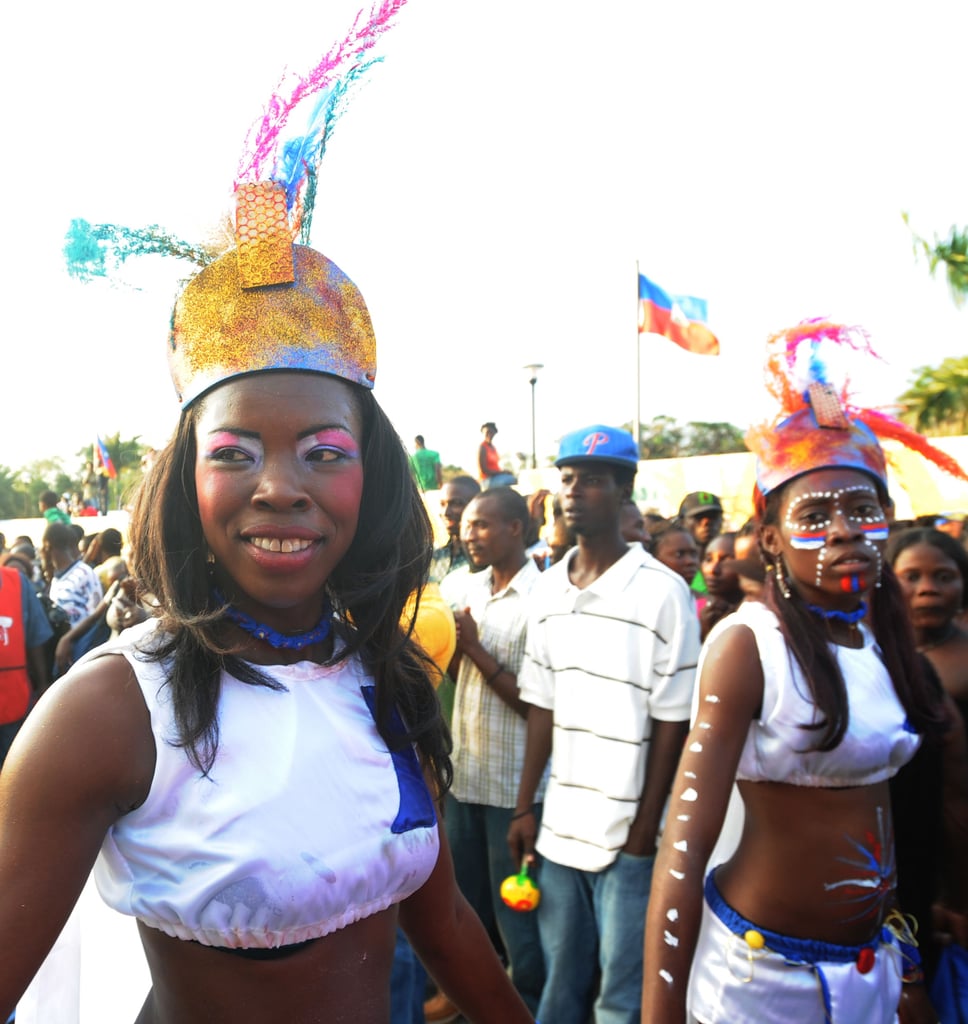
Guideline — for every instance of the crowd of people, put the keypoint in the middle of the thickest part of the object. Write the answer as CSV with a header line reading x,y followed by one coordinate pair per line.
x,y
66,598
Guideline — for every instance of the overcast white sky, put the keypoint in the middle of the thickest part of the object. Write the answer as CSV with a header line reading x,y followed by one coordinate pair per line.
x,y
490,191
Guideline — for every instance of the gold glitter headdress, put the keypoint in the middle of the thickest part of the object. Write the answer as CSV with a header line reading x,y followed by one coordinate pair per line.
x,y
268,304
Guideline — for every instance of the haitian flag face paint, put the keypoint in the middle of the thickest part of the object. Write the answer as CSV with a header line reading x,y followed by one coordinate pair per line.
x,y
874,531
807,540
854,584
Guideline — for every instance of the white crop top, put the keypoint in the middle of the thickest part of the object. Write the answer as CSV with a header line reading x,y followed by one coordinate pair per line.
x,y
305,824
879,740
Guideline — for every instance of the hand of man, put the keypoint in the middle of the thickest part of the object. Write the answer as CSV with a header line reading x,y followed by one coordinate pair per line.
x,y
467,635
521,837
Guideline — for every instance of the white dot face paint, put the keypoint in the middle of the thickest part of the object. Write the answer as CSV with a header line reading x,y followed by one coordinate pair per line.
x,y
682,846
666,976
712,698
690,794
683,817
672,914
678,875
670,939
695,748
809,529
689,775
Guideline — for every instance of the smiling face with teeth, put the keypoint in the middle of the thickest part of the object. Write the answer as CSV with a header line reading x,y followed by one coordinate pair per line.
x,y
279,476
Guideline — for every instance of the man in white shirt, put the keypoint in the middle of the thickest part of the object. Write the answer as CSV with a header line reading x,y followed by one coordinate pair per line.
x,y
609,671
489,721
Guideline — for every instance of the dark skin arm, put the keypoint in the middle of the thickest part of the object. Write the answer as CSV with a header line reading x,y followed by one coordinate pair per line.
x,y
496,676
664,750
731,689
454,947
523,831
37,669
84,757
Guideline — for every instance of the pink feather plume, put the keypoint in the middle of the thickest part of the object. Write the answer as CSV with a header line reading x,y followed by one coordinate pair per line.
x,y
261,142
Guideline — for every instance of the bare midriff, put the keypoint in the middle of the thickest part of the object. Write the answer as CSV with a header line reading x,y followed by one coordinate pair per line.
x,y
813,863
341,976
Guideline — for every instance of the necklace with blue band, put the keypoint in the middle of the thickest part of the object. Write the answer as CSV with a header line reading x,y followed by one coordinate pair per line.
x,y
851,618
272,637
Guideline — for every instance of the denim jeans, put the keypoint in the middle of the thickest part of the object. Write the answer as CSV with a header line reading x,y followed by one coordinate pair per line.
x,y
408,984
591,922
478,841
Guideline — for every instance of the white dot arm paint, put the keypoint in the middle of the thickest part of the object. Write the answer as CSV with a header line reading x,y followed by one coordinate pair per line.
x,y
697,806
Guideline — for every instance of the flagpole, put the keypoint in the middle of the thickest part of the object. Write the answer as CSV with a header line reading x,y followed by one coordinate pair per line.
x,y
637,426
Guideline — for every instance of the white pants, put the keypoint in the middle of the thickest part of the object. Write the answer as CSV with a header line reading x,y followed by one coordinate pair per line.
x,y
732,984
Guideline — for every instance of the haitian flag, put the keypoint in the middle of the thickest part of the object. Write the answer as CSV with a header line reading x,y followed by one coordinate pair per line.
x,y
679,318
102,460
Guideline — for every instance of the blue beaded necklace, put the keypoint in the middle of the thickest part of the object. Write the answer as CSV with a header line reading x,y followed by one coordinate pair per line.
x,y
272,637
851,618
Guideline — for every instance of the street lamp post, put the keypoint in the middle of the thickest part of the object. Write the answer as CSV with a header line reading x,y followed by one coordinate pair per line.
x,y
532,369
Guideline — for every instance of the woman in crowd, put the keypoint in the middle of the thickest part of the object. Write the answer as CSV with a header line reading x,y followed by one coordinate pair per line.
x,y
103,555
932,569
255,770
676,548
811,712
723,589
252,764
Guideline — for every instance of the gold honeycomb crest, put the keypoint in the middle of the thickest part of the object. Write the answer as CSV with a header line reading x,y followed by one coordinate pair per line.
x,y
262,235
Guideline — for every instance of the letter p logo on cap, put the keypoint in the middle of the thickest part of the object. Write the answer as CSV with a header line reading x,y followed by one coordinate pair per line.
x,y
592,441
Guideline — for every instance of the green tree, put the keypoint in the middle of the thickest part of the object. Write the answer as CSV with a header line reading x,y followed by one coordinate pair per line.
x,y
21,488
952,252
713,439
663,438
13,494
937,400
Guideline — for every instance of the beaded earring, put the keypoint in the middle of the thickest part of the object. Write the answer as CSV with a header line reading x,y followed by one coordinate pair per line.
x,y
781,582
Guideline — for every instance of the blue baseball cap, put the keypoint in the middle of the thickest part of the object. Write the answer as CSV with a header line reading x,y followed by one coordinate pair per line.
x,y
598,443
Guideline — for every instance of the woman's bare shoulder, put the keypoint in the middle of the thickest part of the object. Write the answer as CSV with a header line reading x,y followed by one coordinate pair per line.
x,y
90,733
735,641
732,670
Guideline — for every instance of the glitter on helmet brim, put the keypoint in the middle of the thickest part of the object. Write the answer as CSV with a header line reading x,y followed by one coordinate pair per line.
x,y
319,323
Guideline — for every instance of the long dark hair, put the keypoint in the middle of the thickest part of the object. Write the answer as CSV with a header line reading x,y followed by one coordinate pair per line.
x,y
808,639
386,563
